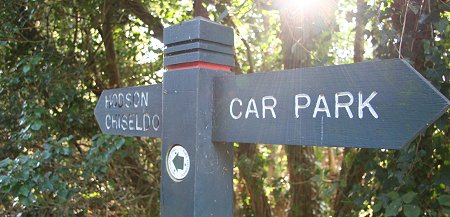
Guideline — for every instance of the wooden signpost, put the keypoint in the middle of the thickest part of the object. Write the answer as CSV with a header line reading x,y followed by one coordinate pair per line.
x,y
202,107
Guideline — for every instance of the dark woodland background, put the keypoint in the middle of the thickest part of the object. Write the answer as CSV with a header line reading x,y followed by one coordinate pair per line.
x,y
57,56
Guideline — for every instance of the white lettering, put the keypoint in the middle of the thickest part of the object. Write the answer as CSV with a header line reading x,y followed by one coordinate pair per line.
x,y
121,97
119,121
267,107
114,122
128,98
366,103
136,99
108,120
131,122
137,123
345,105
107,101
251,108
144,99
298,106
124,122
114,100
231,108
155,122
325,109
146,126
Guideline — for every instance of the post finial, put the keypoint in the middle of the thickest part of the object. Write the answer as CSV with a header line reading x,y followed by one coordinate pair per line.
x,y
199,42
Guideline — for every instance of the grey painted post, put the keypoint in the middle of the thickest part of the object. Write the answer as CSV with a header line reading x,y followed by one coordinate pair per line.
x,y
197,174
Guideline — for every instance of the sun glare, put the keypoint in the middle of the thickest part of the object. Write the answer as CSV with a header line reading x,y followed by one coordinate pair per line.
x,y
309,6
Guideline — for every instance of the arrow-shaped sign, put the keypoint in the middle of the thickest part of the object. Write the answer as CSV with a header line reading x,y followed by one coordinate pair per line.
x,y
131,111
178,161
377,104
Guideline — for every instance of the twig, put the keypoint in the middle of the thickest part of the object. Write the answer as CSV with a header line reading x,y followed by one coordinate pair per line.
x,y
431,23
247,46
403,30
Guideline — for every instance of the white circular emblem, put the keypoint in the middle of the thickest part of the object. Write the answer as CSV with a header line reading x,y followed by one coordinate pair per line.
x,y
177,163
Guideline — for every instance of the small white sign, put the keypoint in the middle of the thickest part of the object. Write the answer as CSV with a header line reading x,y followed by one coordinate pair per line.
x,y
177,163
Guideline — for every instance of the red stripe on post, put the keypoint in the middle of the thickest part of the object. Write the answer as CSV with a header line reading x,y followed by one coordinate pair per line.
x,y
199,65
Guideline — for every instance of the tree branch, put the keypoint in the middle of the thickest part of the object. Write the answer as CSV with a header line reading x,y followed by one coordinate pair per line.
x,y
264,5
231,23
140,11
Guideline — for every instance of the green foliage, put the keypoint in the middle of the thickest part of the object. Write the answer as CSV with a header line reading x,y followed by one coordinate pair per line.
x,y
52,68
39,177
409,182
54,161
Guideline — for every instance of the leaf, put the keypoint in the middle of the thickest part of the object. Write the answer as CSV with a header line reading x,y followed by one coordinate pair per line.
x,y
35,60
63,193
24,175
444,200
447,210
5,162
411,210
32,198
408,197
4,180
441,123
47,184
38,112
432,17
26,69
119,143
36,125
441,25
393,208
377,207
349,16
14,81
414,7
46,154
66,151
393,195
34,163
443,177
24,200
25,190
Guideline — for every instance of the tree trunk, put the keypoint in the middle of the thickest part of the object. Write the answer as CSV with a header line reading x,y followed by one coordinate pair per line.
x,y
199,9
352,174
358,45
301,160
247,153
253,184
108,41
